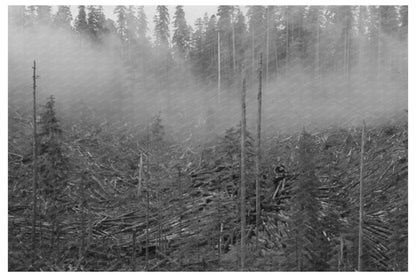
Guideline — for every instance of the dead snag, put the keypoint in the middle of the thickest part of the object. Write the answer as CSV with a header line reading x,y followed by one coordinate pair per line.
x,y
360,222
258,153
34,166
243,175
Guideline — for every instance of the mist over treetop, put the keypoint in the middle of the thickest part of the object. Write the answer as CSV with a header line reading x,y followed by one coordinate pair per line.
x,y
323,65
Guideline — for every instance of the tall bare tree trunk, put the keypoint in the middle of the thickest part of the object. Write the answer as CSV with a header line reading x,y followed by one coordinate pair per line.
x,y
198,232
181,212
267,48
147,186
276,61
234,65
287,38
258,152
317,54
139,188
147,226
237,213
341,252
219,217
133,254
345,48
360,222
243,176
379,58
34,166
219,67
252,53
159,219
298,262
82,192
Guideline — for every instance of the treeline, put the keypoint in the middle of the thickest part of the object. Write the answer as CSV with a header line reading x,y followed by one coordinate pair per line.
x,y
318,39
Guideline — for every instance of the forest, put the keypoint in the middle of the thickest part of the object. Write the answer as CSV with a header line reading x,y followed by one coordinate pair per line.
x,y
258,138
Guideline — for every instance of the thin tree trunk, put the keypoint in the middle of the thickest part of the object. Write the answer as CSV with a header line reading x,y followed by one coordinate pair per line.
x,y
317,61
147,227
267,48
52,235
181,211
243,176
34,166
133,256
159,215
219,67
379,61
58,241
297,253
139,188
277,62
360,41
258,152
147,185
237,211
341,252
360,222
252,52
219,218
287,39
234,65
89,225
199,230
82,248
345,48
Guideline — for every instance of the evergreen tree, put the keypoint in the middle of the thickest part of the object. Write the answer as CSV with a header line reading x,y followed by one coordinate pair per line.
x,y
225,29
389,22
157,131
120,12
53,173
240,37
389,27
110,27
63,18
256,20
31,16
257,34
225,14
296,33
307,245
101,22
142,27
403,22
162,21
344,18
374,37
92,21
131,25
132,45
196,50
144,46
163,65
312,39
210,50
81,25
181,36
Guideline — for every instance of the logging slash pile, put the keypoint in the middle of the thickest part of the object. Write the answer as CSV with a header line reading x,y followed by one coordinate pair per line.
x,y
134,201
